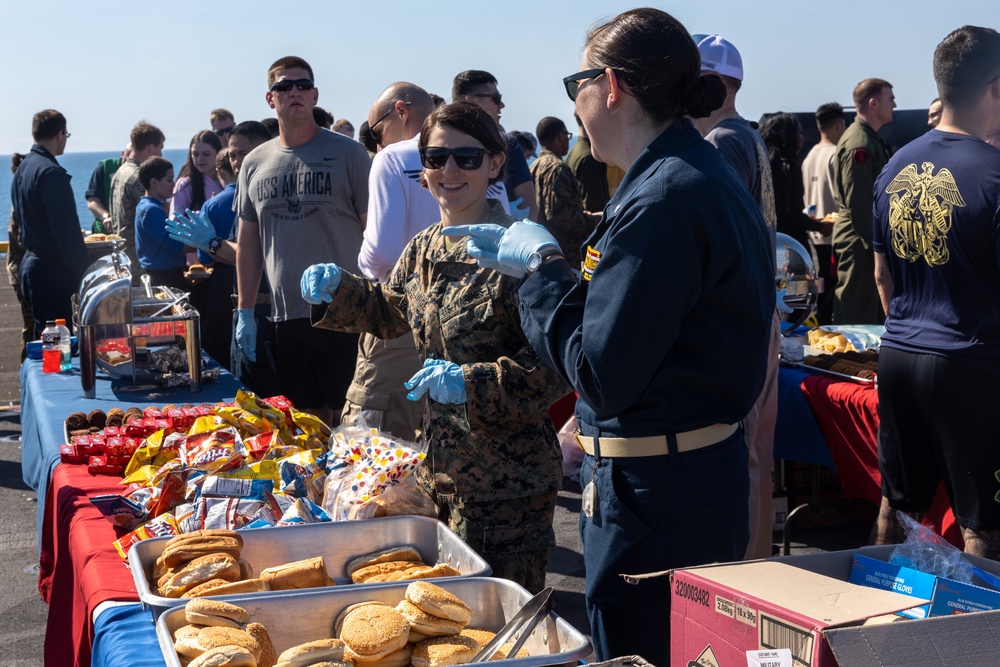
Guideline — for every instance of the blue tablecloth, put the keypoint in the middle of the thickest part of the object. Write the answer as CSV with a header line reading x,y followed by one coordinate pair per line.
x,y
796,435
48,398
126,636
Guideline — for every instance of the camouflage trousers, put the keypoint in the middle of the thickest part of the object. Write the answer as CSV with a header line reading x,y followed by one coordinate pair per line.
x,y
512,535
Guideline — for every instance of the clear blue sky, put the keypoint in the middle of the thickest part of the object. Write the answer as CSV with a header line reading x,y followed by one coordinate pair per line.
x,y
107,64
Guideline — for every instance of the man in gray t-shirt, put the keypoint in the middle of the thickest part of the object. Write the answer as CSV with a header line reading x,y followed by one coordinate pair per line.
x,y
746,153
302,200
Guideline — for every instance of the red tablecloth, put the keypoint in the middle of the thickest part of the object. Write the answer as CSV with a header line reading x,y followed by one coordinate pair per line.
x,y
79,567
847,415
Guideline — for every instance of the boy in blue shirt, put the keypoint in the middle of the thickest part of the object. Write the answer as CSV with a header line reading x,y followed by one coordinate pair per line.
x,y
161,257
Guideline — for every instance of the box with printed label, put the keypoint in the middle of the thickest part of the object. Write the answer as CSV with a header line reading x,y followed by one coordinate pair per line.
x,y
808,605
874,573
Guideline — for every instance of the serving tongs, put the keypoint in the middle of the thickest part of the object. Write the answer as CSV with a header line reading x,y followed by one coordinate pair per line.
x,y
533,611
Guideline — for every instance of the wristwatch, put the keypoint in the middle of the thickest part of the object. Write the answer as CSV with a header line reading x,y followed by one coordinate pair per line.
x,y
536,258
214,245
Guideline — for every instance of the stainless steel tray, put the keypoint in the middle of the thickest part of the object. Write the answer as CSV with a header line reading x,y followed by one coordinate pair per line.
x,y
337,542
293,617
833,374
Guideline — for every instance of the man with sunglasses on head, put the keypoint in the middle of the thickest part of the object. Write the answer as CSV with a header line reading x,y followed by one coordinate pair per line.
x,y
302,199
480,88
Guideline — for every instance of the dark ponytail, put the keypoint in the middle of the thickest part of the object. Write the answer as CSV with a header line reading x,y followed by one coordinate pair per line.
x,y
656,58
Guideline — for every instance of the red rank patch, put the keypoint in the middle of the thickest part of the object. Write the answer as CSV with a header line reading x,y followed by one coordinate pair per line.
x,y
860,156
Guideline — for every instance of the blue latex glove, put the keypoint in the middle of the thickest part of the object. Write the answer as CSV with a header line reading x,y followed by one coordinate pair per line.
x,y
192,228
319,282
506,250
443,380
516,211
246,333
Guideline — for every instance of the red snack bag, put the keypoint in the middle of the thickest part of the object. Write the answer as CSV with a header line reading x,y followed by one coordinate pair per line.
x,y
180,420
97,440
95,465
259,444
110,431
135,427
114,446
129,445
152,412
81,440
70,454
164,424
204,410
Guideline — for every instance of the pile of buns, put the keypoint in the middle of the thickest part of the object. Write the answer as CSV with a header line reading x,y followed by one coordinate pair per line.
x,y
207,562
829,341
395,564
428,628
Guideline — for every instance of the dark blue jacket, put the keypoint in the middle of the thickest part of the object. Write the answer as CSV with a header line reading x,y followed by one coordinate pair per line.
x,y
667,328
43,200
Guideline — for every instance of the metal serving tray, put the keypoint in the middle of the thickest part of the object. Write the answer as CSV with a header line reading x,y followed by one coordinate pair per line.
x,y
338,542
293,617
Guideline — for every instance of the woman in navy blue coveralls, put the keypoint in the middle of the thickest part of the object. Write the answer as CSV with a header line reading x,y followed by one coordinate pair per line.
x,y
663,332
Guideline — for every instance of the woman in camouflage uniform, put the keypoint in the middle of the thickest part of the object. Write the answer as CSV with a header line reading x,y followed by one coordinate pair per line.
x,y
493,466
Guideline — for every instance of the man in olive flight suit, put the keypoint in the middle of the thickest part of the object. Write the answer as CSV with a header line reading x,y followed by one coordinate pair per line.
x,y
861,155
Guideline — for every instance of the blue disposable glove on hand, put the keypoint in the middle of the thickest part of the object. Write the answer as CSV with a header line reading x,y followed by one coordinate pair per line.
x,y
192,228
246,333
505,249
516,211
443,380
319,282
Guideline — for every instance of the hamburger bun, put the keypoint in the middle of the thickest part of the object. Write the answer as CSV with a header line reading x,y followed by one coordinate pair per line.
x,y
202,611
436,601
372,632
482,636
184,552
338,622
400,658
215,637
502,652
365,574
188,646
401,575
441,651
403,553
310,653
424,623
268,656
199,571
205,588
230,588
308,573
442,570
225,656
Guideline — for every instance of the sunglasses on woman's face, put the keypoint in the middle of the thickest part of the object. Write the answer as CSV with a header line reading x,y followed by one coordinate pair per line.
x,y
467,158
572,82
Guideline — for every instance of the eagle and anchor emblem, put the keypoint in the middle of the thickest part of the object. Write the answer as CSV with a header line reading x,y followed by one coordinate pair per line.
x,y
920,208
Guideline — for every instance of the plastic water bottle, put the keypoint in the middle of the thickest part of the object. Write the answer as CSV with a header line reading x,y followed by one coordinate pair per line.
x,y
65,346
51,354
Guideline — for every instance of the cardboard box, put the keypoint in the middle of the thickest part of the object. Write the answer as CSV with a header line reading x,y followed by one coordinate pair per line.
x,y
807,605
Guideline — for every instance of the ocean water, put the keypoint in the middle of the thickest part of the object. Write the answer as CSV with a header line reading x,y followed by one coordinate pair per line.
x,y
80,166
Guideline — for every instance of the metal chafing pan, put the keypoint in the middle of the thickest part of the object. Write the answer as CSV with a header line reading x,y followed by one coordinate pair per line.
x,y
337,542
293,618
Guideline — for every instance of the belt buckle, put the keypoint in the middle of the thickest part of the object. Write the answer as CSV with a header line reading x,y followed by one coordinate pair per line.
x,y
577,434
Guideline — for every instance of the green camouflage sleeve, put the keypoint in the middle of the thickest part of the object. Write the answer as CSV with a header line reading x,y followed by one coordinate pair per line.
x,y
362,306
521,384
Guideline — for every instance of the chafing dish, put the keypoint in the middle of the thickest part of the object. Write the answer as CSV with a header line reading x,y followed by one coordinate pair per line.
x,y
119,324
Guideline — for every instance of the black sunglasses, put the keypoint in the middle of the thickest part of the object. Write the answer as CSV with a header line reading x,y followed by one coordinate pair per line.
x,y
285,85
572,82
224,130
496,97
376,135
467,158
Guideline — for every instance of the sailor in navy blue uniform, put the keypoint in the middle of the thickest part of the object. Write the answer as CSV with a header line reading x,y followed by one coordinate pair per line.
x,y
664,334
